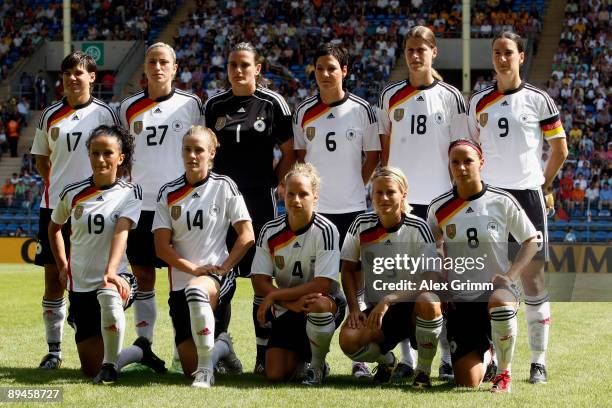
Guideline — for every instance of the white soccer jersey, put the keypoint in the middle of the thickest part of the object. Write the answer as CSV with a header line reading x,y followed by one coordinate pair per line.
x,y
511,128
367,230
294,258
199,216
479,227
334,137
422,122
94,213
61,134
158,127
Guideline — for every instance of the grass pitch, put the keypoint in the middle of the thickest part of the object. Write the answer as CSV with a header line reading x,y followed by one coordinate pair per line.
x,y
579,358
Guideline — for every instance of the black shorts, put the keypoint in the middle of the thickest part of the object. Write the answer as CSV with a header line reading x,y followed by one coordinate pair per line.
x,y
179,310
262,208
289,330
342,222
397,325
420,210
44,256
84,310
534,205
141,245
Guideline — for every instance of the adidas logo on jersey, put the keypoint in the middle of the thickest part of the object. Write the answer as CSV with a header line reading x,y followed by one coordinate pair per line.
x,y
75,117
195,195
420,98
331,116
157,110
504,103
469,210
100,198
241,110
297,245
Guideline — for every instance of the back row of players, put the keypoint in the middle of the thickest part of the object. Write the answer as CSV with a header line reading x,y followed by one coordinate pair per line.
x,y
417,118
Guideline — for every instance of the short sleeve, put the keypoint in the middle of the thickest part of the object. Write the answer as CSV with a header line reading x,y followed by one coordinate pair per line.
x,y
41,143
350,246
384,123
283,124
519,224
162,215
371,140
432,222
299,142
237,209
458,122
327,260
262,262
472,124
123,115
550,120
132,206
62,210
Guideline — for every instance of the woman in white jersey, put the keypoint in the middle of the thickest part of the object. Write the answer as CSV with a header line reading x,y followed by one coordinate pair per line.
x,y
511,120
157,117
296,269
191,222
337,132
420,117
369,336
61,159
103,209
473,220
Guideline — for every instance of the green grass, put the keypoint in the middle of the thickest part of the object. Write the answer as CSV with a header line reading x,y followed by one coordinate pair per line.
x,y
578,363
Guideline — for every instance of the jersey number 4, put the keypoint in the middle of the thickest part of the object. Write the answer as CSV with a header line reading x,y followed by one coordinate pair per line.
x,y
297,270
154,132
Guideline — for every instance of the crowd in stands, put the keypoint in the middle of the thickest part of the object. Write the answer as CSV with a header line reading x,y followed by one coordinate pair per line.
x,y
14,115
580,83
286,34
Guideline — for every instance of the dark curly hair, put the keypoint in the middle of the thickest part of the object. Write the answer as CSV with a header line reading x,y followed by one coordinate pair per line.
x,y
126,144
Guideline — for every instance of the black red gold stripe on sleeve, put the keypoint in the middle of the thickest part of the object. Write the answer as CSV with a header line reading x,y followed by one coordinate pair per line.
x,y
313,113
84,195
58,115
551,126
280,240
178,194
140,105
488,100
449,209
402,96
372,235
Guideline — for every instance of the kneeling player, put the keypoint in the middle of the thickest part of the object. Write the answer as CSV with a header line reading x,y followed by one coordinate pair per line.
x,y
370,336
103,209
474,220
300,251
191,222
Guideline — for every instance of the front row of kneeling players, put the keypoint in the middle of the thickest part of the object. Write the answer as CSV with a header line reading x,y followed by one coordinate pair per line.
x,y
295,267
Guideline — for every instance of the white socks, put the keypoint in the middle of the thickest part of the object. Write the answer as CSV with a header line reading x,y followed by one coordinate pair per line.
x,y
54,313
537,313
427,336
320,330
504,328
202,324
112,324
145,314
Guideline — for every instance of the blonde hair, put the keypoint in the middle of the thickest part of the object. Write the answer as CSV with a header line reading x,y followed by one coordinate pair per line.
x,y
425,34
213,142
398,176
306,170
162,45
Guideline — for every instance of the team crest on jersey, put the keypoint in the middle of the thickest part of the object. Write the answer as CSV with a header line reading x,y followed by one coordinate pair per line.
x,y
78,212
350,134
177,125
54,133
138,127
310,133
279,261
493,227
451,230
175,212
114,216
220,123
259,125
398,114
213,210
438,118
483,119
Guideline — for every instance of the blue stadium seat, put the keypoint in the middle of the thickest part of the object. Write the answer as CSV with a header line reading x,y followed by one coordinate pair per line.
x,y
557,236
599,236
